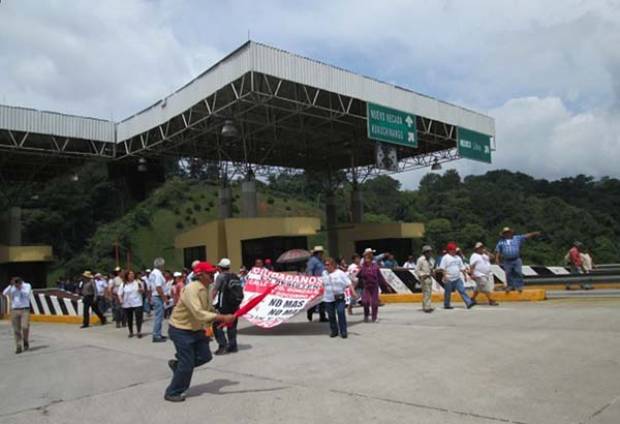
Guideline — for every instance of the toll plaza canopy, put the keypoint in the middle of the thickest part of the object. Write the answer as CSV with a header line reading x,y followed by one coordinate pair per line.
x,y
287,111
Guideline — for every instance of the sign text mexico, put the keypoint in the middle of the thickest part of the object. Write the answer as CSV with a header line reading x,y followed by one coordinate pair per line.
x,y
474,145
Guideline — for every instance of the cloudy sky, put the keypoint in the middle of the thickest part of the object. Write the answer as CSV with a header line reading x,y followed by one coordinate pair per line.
x,y
547,71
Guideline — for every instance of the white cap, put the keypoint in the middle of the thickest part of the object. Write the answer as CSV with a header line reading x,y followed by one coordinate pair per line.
x,y
479,244
177,274
148,270
318,249
224,263
368,250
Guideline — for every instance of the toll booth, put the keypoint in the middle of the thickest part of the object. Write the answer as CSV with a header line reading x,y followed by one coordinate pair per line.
x,y
398,238
243,240
28,262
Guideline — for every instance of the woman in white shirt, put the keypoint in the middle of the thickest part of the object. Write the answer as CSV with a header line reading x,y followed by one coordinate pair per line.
x,y
336,282
130,297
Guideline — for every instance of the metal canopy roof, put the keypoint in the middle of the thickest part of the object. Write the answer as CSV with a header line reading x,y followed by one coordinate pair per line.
x,y
291,112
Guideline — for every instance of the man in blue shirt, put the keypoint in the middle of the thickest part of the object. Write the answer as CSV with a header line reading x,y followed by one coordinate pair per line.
x,y
508,255
315,267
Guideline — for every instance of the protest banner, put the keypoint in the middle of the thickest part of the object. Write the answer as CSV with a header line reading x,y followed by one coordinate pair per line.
x,y
287,295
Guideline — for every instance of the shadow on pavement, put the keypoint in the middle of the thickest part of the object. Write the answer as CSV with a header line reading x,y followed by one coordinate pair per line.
x,y
314,328
35,348
215,388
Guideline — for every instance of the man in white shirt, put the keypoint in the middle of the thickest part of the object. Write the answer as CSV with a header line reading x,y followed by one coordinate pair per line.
x,y
352,271
411,263
101,285
157,284
118,314
480,270
18,292
454,272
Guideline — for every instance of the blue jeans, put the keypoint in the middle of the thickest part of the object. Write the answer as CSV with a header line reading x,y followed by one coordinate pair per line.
x,y
158,305
231,332
192,351
459,286
337,308
514,273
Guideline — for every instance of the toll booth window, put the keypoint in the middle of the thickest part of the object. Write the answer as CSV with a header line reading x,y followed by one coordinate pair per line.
x,y
195,253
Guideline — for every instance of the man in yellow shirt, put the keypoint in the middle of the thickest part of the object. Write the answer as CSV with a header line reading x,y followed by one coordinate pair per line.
x,y
186,329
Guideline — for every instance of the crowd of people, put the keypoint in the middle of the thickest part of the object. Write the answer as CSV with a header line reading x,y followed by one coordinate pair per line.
x,y
209,296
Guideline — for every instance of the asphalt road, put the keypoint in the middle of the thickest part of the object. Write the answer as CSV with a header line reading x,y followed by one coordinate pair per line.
x,y
549,362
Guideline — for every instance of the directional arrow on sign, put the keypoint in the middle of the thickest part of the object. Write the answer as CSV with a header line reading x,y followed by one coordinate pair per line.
x,y
409,121
411,137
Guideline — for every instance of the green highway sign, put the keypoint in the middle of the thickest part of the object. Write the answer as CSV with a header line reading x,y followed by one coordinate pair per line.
x,y
474,145
391,125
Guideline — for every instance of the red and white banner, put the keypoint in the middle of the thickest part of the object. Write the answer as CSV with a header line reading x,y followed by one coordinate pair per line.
x,y
282,296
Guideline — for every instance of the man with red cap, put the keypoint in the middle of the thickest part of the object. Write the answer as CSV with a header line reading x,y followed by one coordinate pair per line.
x,y
454,272
192,314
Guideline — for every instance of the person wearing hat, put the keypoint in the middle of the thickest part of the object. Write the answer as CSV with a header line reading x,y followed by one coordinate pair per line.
x,y
508,255
118,313
454,274
101,284
227,342
315,267
424,270
480,270
370,277
177,286
18,291
89,291
186,329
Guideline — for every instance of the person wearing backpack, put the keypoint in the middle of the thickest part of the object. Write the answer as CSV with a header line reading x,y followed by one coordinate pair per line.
x,y
227,296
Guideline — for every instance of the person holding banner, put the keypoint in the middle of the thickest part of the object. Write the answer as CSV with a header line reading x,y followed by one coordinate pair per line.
x,y
335,282
370,277
189,318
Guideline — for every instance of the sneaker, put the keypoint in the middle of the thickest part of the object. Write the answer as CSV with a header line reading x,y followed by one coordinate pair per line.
x,y
333,335
84,326
471,305
323,319
174,398
172,364
344,336
26,346
366,319
18,350
428,311
130,335
448,307
221,351
493,303
232,350
104,322
118,324
159,340
139,335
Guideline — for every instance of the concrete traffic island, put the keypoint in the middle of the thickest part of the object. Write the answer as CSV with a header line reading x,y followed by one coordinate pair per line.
x,y
528,295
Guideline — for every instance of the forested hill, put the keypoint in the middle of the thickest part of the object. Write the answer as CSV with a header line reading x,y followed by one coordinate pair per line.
x,y
477,207
84,219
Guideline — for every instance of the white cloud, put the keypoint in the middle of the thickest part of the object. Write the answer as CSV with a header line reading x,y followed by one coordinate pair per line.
x,y
542,137
549,72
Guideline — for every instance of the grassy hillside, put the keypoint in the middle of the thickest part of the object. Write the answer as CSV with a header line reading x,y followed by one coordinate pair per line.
x,y
149,229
